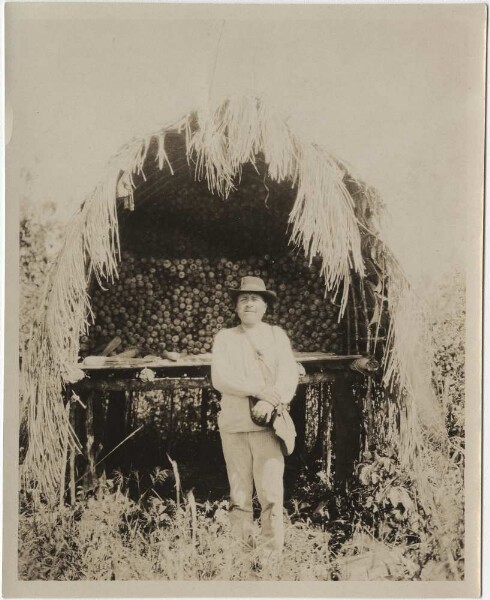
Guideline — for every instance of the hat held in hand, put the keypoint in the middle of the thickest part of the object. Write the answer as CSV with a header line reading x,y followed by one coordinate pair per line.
x,y
284,429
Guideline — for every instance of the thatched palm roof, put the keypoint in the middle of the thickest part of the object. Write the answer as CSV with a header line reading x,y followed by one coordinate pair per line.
x,y
334,215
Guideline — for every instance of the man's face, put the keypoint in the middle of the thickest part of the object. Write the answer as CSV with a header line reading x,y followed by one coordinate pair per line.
x,y
250,308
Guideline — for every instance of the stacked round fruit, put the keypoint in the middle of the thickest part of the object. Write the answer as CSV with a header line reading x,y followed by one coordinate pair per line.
x,y
178,305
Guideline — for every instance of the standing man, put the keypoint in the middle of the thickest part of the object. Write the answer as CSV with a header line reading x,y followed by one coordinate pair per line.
x,y
253,359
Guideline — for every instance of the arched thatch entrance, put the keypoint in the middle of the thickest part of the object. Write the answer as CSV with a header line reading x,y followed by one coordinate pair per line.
x,y
241,152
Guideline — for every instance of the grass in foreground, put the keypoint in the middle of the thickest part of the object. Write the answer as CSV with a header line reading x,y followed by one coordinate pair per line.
x,y
113,537
110,536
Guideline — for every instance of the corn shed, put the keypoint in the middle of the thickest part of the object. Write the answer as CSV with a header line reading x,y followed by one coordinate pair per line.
x,y
141,279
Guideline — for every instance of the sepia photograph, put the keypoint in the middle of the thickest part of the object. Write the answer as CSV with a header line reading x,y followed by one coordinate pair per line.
x,y
243,308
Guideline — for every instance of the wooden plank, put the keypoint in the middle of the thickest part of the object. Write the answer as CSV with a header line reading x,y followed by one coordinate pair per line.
x,y
167,383
135,385
313,378
139,363
324,356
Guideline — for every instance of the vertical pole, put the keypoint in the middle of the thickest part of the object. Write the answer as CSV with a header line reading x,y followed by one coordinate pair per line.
x,y
99,428
349,333
65,452
356,317
298,415
317,451
115,429
326,445
205,396
90,444
171,420
346,428
73,408
368,425
329,452
367,347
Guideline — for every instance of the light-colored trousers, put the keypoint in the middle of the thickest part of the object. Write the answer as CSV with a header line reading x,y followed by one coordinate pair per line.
x,y
256,457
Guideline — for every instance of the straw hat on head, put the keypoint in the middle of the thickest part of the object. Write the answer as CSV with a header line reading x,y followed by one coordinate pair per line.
x,y
253,285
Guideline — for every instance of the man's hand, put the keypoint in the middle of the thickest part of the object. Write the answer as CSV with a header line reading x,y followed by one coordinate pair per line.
x,y
262,411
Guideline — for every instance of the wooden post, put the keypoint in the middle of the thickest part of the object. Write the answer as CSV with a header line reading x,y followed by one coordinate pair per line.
x,y
115,429
72,449
205,397
346,428
326,421
90,443
320,432
368,428
65,453
73,491
298,414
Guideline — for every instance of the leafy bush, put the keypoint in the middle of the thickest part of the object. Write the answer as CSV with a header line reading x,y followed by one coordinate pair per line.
x,y
448,332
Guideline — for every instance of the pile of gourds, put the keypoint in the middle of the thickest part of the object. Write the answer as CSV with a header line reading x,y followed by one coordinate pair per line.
x,y
178,304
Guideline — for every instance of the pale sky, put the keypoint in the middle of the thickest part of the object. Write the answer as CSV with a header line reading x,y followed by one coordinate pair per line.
x,y
396,91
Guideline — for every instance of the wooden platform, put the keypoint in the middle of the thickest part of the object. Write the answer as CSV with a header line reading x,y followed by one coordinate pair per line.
x,y
193,372
118,382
